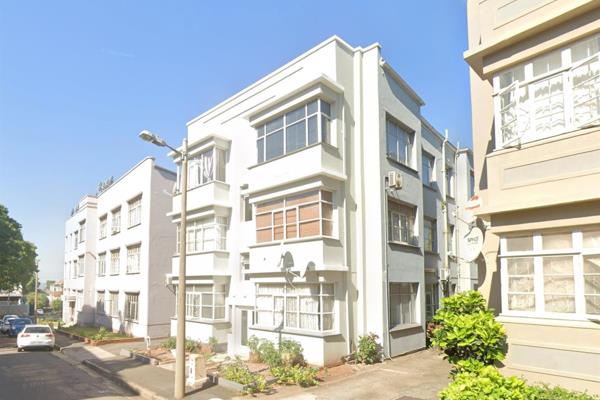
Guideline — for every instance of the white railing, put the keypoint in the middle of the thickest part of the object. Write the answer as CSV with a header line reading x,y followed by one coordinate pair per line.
x,y
549,105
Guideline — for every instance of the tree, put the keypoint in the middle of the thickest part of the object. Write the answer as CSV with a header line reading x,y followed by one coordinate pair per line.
x,y
17,256
41,297
57,304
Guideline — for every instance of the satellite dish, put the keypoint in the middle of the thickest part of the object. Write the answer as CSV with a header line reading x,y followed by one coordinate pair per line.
x,y
473,244
287,261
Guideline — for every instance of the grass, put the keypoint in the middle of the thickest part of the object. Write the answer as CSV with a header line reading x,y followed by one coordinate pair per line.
x,y
91,331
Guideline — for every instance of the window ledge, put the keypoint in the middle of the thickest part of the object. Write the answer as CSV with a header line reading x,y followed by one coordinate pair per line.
x,y
403,244
204,320
133,226
115,232
292,241
193,253
572,321
133,272
404,327
291,331
401,164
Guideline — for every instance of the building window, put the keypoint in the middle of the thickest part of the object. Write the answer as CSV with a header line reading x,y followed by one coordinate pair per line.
x,y
431,300
247,209
450,237
205,301
80,266
112,304
75,240
302,215
449,181
206,234
100,302
399,143
430,235
299,128
208,166
116,221
102,264
82,231
115,260
401,223
427,170
471,184
301,306
245,266
403,304
103,224
79,300
131,306
135,211
551,94
552,273
133,259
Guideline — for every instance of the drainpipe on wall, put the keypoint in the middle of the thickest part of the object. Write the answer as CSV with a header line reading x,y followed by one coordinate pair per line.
x,y
346,227
386,280
456,231
445,212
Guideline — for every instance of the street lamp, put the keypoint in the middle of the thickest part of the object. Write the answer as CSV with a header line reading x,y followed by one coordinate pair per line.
x,y
180,347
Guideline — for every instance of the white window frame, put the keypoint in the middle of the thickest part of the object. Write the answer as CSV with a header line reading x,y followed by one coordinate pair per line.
x,y
323,129
430,225
200,163
430,160
134,213
100,302
132,307
577,251
133,258
412,294
102,226
81,266
285,208
403,139
524,111
196,302
115,262
102,264
286,294
82,230
397,230
115,223
198,236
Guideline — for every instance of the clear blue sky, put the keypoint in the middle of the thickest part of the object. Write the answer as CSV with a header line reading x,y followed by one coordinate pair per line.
x,y
80,79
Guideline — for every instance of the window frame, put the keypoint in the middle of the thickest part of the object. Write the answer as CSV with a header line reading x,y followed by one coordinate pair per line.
x,y
537,252
323,124
118,261
130,305
195,301
102,226
408,143
413,294
115,221
523,102
134,258
101,271
434,233
134,212
196,238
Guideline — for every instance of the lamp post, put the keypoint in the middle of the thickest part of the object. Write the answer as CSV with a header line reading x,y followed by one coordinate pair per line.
x,y
180,346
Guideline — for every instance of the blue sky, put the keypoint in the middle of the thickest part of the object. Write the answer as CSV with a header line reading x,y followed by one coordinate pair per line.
x,y
79,80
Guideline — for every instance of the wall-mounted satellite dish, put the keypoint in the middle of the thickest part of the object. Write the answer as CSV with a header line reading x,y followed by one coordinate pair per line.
x,y
287,262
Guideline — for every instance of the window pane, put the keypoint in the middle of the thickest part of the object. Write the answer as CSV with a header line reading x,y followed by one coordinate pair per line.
x,y
591,276
325,129
546,63
521,287
313,131
295,136
591,238
519,243
260,150
295,115
325,108
274,145
559,285
274,125
260,131
312,107
309,229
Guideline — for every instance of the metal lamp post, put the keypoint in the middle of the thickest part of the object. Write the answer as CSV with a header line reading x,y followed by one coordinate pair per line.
x,y
180,347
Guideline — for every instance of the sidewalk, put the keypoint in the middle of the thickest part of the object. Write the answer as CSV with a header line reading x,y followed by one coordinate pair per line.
x,y
149,381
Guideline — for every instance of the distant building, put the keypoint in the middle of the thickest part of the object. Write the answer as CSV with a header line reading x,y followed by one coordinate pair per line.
x,y
55,291
13,302
118,248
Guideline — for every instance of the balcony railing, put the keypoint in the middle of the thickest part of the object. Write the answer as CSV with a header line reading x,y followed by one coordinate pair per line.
x,y
549,105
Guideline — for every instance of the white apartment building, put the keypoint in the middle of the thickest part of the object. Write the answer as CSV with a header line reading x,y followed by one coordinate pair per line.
x,y
117,277
306,209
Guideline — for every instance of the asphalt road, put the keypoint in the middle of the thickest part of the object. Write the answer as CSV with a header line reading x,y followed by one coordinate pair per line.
x,y
46,375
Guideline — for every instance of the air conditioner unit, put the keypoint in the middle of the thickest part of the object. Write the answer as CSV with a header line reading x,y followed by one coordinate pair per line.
x,y
394,180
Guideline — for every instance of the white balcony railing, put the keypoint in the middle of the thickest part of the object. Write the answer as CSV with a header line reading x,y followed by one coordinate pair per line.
x,y
549,105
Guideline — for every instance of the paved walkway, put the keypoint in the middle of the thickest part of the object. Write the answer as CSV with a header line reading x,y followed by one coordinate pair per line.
x,y
417,376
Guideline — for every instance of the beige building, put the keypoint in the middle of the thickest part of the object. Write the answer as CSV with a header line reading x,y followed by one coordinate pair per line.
x,y
535,85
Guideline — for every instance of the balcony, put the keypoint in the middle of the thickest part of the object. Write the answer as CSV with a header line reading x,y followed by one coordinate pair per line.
x,y
210,194
322,254
317,160
209,263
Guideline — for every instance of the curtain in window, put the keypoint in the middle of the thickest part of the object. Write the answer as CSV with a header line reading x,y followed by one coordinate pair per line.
x,y
591,276
521,295
559,284
586,91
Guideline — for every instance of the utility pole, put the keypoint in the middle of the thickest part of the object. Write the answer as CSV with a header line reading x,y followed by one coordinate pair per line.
x,y
35,302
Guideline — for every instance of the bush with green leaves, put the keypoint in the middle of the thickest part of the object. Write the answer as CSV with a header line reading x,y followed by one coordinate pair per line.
x,y
237,371
369,350
546,392
190,345
291,352
469,302
101,335
475,336
268,353
487,383
295,375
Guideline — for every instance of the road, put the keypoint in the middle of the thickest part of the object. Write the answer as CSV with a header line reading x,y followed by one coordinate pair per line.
x,y
45,375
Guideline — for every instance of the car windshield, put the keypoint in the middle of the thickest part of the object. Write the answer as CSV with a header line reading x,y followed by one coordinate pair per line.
x,y
37,329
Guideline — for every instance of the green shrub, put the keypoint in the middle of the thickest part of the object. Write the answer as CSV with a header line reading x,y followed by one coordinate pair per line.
x,y
190,345
295,375
488,383
238,372
557,393
101,335
213,341
57,305
369,350
470,366
471,336
253,343
469,302
291,352
269,354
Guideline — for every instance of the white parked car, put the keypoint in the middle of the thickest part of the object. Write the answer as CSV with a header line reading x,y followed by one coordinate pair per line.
x,y
35,336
